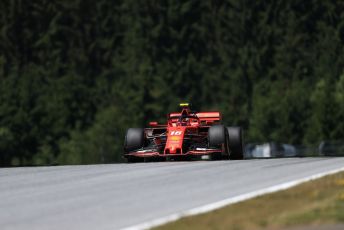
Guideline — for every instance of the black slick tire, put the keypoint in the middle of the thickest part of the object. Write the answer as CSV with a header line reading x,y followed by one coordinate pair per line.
x,y
216,136
134,139
216,139
235,143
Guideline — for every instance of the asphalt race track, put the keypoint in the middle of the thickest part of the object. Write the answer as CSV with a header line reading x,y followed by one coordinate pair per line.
x,y
122,195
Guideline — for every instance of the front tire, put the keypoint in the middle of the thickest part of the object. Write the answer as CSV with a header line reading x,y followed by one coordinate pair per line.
x,y
217,139
216,136
235,143
134,139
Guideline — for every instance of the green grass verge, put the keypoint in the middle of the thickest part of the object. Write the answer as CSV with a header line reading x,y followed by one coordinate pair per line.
x,y
313,203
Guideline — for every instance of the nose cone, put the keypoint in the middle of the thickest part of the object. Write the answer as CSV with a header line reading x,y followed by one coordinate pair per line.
x,y
174,141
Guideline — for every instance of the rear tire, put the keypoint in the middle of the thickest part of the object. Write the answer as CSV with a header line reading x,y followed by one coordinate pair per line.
x,y
235,143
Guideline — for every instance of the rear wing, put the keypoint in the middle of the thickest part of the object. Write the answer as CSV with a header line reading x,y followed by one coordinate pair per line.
x,y
206,118
209,117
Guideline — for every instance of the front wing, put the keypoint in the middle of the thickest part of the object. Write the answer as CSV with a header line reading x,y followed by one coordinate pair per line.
x,y
152,153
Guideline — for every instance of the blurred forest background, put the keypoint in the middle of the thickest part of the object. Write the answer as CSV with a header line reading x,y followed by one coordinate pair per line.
x,y
75,74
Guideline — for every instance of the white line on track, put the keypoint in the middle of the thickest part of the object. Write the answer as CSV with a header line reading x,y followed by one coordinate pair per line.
x,y
225,202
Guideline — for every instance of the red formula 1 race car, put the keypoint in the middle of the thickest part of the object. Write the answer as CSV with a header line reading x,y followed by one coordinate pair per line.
x,y
186,135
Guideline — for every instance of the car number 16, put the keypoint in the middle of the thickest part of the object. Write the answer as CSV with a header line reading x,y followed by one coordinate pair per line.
x,y
176,133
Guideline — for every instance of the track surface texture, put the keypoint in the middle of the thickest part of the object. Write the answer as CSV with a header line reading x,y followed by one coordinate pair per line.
x,y
122,195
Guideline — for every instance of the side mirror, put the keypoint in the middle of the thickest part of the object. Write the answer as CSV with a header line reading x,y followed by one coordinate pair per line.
x,y
153,123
